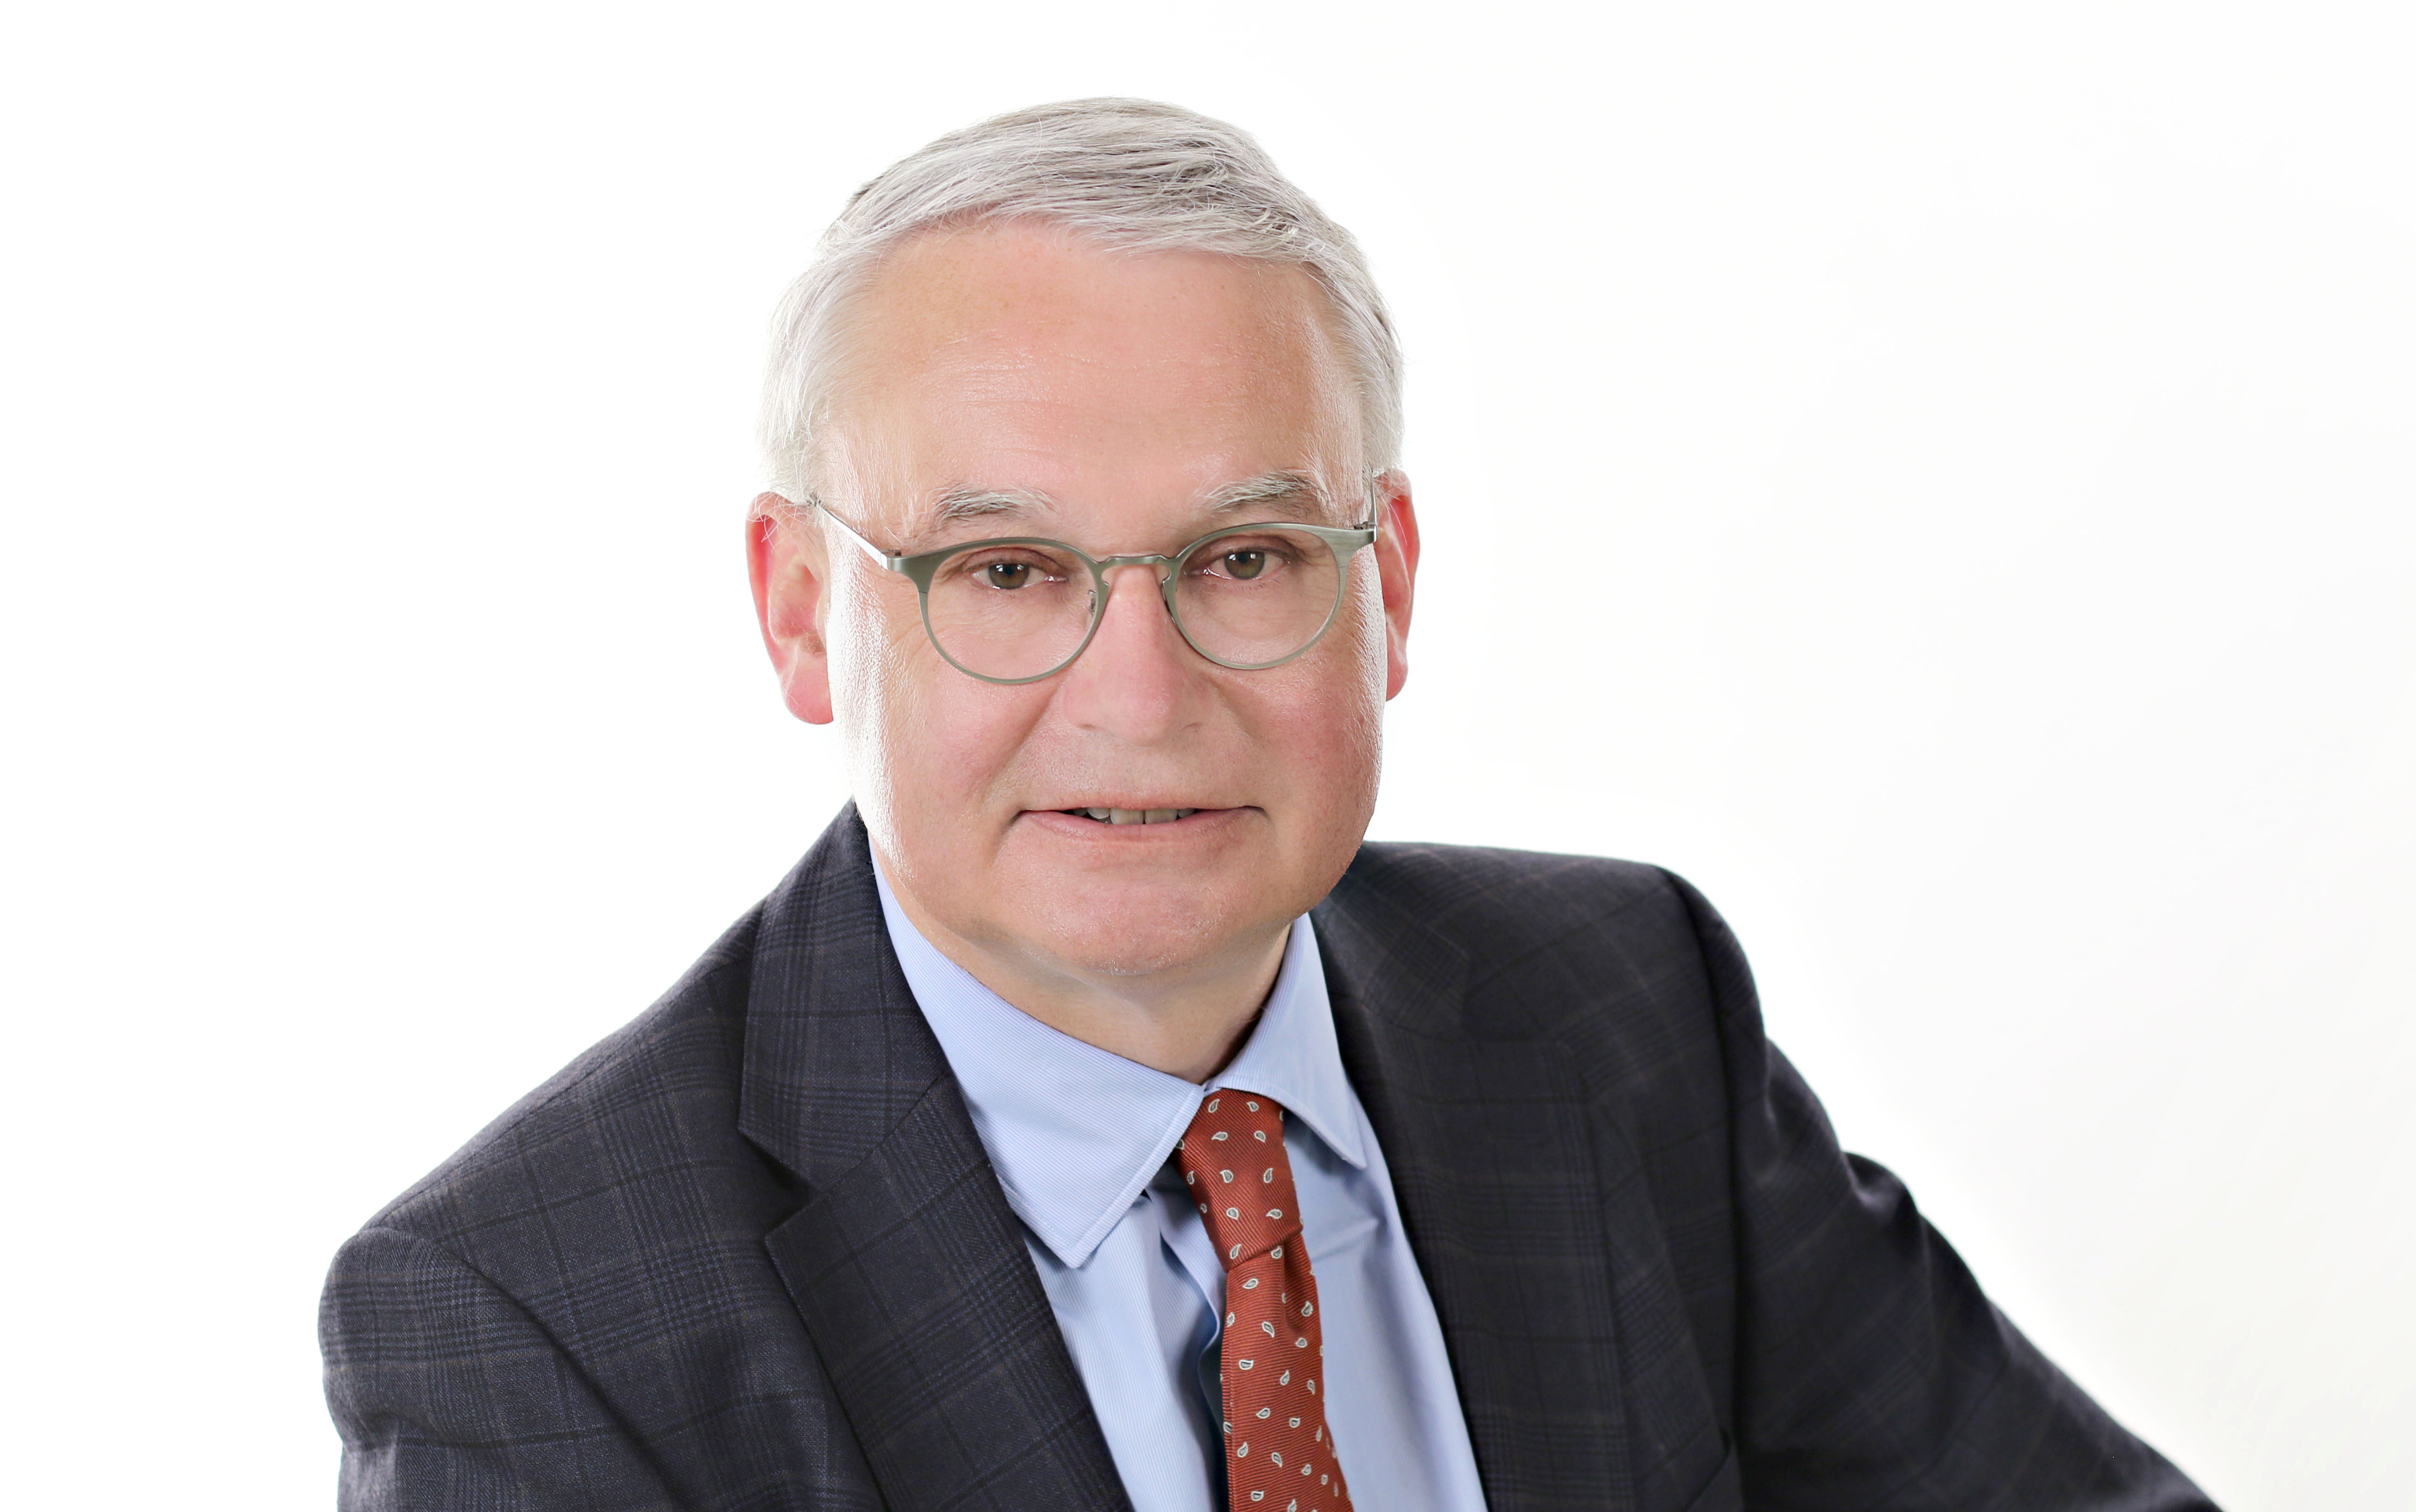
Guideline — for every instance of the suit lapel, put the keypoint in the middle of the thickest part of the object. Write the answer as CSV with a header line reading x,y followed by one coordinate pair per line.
x,y
1496,1171
904,1262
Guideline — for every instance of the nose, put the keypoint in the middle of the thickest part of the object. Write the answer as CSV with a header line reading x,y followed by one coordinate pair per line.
x,y
1138,679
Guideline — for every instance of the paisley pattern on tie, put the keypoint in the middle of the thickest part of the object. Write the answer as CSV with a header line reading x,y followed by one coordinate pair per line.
x,y
1278,1454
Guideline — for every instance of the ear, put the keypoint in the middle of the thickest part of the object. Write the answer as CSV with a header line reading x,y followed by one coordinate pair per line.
x,y
1396,566
786,565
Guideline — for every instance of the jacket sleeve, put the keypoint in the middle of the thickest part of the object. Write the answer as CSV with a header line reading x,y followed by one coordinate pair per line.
x,y
1871,1372
449,1395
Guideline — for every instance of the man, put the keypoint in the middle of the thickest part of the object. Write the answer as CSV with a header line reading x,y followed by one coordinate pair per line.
x,y
1090,1120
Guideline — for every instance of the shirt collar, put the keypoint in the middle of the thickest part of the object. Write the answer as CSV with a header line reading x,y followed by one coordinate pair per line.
x,y
1076,1132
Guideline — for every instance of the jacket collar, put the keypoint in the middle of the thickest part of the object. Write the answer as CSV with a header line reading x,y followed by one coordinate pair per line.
x,y
1487,1130
904,1262
835,1053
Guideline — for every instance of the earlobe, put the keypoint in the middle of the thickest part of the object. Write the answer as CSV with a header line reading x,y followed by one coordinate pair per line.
x,y
785,575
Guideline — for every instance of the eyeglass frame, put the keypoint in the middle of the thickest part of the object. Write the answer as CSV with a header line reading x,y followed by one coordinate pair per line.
x,y
919,567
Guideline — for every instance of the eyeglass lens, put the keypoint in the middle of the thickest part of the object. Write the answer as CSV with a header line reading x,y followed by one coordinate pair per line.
x,y
1022,611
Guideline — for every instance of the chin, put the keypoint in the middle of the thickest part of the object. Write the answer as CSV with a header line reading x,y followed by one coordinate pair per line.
x,y
1138,929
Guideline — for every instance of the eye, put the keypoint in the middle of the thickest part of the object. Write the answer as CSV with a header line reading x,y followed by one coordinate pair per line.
x,y
1005,568
1257,559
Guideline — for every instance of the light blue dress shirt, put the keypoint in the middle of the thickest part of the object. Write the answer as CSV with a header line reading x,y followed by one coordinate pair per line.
x,y
1080,1137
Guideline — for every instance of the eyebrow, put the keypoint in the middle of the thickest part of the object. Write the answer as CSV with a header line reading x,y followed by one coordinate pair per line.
x,y
1292,488
958,505
1295,491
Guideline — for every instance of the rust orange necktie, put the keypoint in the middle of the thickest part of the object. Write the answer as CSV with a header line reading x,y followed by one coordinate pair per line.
x,y
1278,1453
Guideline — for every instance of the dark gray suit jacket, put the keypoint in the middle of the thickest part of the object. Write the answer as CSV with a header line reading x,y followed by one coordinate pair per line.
x,y
748,1254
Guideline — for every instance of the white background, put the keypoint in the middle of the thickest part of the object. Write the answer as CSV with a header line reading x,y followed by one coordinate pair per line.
x,y
1939,478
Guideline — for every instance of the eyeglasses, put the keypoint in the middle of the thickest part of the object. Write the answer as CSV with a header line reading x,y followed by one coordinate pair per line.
x,y
1019,609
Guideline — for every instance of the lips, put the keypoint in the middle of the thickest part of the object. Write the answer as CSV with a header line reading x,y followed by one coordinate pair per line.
x,y
1130,816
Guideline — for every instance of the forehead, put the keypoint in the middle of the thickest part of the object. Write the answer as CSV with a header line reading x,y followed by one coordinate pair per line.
x,y
1020,361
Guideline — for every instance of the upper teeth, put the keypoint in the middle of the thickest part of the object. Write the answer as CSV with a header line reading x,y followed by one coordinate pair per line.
x,y
1140,816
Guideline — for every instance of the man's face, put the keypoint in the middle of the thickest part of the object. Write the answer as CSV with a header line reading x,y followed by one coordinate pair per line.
x,y
1045,387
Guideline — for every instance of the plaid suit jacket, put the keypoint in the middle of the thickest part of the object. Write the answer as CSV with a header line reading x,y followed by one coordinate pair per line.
x,y
747,1253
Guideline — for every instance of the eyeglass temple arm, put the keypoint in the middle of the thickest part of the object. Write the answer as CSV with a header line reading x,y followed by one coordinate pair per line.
x,y
879,556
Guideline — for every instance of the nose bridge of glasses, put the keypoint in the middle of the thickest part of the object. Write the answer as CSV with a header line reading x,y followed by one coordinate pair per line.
x,y
1161,586
1158,563
1159,567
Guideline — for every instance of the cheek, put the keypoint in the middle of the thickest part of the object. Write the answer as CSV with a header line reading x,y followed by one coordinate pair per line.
x,y
923,741
1361,719
1362,621
879,706
1359,640
1329,717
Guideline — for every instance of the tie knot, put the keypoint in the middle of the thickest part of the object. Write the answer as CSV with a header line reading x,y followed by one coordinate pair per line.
x,y
1233,1163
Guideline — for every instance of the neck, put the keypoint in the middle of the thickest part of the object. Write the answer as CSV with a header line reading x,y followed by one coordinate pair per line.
x,y
1187,1022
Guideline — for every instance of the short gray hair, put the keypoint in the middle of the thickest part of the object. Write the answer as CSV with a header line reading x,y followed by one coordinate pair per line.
x,y
1130,174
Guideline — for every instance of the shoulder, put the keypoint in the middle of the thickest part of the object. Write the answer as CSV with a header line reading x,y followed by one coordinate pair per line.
x,y
1516,914
1489,883
1622,968
656,1097
589,1270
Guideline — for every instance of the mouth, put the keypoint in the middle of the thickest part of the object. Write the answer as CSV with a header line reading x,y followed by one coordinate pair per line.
x,y
1130,816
